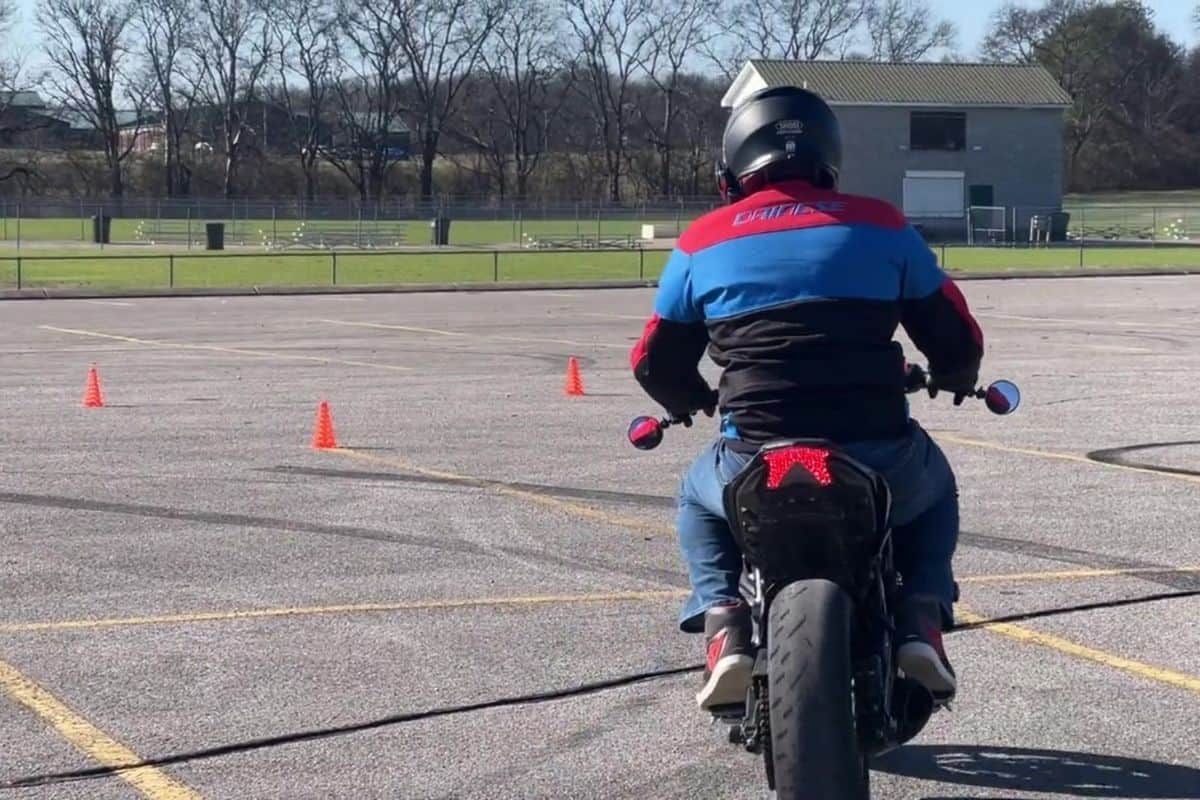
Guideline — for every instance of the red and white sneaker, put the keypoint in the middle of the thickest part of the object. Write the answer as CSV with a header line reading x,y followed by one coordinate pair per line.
x,y
920,654
729,653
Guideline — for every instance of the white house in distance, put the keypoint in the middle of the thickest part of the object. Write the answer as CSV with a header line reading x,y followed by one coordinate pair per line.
x,y
937,139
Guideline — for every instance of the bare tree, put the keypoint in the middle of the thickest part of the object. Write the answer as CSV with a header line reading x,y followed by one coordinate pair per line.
x,y
442,40
367,93
307,35
612,38
166,35
786,29
233,51
13,123
678,29
517,95
906,30
87,45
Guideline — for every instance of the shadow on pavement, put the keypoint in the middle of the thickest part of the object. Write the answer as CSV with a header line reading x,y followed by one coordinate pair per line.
x,y
1042,771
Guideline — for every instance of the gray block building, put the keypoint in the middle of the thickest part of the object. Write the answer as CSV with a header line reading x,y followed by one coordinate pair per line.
x,y
966,151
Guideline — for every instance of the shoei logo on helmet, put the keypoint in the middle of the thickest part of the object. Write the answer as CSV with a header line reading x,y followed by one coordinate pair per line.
x,y
789,127
788,210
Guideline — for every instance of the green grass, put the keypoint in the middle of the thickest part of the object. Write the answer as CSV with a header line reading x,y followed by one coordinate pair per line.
x,y
979,259
47,269
122,271
253,231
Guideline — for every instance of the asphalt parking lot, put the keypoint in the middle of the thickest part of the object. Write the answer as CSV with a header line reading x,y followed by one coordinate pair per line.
x,y
186,580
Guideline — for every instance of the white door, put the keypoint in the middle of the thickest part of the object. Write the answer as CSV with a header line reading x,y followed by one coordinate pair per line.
x,y
934,193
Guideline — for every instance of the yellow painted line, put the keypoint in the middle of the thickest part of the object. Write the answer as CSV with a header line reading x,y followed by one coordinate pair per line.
x,y
478,602
1052,454
605,315
578,509
1104,323
352,608
464,334
1127,665
90,740
241,351
1004,629
1077,574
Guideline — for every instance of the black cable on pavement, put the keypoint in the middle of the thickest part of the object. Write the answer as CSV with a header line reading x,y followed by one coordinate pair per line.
x,y
1054,612
339,730
526,699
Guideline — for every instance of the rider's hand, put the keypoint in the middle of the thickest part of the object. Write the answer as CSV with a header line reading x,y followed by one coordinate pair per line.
x,y
961,383
709,403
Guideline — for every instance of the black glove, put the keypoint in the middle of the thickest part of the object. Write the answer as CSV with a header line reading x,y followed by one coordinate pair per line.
x,y
705,400
962,383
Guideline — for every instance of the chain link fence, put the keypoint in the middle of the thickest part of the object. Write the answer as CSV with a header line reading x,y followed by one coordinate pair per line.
x,y
285,224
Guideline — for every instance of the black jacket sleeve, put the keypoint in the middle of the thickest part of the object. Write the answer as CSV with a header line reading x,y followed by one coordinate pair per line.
x,y
941,326
934,312
665,362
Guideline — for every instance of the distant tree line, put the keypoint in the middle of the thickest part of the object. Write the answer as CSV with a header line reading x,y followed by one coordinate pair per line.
x,y
510,98
513,99
1135,122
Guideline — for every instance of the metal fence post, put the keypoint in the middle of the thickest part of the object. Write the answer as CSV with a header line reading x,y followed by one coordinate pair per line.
x,y
333,267
18,226
82,222
171,270
1154,223
189,228
18,270
641,263
495,266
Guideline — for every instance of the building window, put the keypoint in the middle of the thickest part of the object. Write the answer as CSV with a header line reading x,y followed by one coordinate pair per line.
x,y
938,130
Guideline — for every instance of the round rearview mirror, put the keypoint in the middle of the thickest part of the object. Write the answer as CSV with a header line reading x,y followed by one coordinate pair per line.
x,y
645,433
1002,397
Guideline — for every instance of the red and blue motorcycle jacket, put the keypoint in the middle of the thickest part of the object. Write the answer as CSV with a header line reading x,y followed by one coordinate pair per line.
x,y
797,293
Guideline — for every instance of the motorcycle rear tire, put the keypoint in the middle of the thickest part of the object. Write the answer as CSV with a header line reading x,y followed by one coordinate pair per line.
x,y
814,742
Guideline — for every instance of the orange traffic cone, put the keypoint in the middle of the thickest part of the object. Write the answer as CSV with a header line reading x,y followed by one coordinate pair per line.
x,y
92,396
574,386
323,437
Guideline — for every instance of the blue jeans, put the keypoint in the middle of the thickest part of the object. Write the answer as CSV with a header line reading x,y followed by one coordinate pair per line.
x,y
924,520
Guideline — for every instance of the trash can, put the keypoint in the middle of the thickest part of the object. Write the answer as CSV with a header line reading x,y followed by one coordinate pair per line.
x,y
439,228
101,228
214,235
1060,223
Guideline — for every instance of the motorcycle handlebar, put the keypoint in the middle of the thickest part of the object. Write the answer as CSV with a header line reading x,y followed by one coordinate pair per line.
x,y
1001,397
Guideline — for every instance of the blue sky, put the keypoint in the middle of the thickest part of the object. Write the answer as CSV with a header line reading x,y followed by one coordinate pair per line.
x,y
971,17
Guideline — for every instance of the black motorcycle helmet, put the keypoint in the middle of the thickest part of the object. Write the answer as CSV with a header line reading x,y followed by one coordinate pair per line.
x,y
778,134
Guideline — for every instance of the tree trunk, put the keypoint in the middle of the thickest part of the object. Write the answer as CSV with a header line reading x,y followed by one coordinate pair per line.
x,y
309,165
522,184
117,183
428,154
230,167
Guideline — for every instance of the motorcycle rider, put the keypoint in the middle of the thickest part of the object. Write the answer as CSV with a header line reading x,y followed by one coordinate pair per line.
x,y
796,290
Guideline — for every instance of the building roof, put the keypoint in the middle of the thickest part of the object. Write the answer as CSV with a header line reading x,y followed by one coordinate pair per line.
x,y
22,99
873,83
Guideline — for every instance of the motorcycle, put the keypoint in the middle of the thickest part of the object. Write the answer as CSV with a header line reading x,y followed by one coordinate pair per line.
x,y
825,694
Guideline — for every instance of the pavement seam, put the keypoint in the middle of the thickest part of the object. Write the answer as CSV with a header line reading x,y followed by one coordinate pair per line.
x,y
90,740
